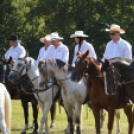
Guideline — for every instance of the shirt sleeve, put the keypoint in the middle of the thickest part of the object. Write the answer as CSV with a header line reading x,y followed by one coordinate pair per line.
x,y
22,53
128,51
92,51
65,55
73,62
105,54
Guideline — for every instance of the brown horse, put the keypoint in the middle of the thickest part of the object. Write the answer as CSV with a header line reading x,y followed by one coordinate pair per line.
x,y
99,99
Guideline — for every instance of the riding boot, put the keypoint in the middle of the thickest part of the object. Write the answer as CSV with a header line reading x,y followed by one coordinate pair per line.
x,y
129,103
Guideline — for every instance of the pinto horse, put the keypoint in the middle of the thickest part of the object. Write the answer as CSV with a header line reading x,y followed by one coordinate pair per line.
x,y
73,94
5,110
20,94
30,67
98,98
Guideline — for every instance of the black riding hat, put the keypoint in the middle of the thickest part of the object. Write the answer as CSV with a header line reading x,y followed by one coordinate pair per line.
x,y
14,38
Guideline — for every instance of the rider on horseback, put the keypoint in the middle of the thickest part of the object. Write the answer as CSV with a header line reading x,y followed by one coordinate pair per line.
x,y
44,50
15,51
117,47
82,45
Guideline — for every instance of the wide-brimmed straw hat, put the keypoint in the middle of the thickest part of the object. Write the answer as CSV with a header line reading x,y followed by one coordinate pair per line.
x,y
14,38
47,37
78,34
55,36
115,27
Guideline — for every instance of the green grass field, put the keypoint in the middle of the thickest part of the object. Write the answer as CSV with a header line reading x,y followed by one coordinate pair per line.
x,y
88,124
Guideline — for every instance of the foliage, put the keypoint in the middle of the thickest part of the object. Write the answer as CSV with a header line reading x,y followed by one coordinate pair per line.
x,y
32,19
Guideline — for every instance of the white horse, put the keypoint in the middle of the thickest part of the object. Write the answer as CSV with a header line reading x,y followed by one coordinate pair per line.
x,y
30,67
5,110
73,94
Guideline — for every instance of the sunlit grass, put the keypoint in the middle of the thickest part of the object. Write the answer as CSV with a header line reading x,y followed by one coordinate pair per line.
x,y
88,126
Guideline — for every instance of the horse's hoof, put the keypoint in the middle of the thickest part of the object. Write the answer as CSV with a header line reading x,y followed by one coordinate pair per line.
x,y
23,132
67,131
52,125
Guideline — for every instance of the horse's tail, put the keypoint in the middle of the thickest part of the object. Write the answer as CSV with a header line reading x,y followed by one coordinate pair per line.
x,y
8,110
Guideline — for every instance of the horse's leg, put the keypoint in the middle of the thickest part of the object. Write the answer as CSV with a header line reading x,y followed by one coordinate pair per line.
x,y
47,106
35,117
129,114
117,114
71,117
111,112
53,114
96,112
78,111
25,108
41,105
67,130
3,126
102,118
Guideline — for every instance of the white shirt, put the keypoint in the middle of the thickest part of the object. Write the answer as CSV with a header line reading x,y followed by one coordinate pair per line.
x,y
120,49
61,52
15,53
43,53
84,47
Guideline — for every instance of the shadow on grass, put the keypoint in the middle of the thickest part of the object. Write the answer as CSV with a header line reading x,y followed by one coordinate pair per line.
x,y
16,129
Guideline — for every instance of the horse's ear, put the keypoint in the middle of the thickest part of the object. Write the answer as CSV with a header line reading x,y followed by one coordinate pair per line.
x,y
28,63
78,53
9,60
107,62
87,52
101,61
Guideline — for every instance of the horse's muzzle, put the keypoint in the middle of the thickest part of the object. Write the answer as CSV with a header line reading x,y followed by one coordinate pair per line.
x,y
41,85
76,77
13,78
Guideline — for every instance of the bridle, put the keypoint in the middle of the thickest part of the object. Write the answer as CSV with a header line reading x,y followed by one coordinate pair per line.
x,y
114,70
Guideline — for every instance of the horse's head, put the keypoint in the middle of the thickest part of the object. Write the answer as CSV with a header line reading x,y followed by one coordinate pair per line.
x,y
20,67
81,65
45,72
5,67
112,76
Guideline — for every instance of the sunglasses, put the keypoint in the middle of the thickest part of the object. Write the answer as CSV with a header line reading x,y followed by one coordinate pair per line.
x,y
112,34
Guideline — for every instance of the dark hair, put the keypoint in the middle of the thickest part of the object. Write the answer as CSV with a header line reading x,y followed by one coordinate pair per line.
x,y
80,40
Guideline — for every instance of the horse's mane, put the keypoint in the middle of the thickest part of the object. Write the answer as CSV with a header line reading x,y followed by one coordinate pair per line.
x,y
96,61
66,67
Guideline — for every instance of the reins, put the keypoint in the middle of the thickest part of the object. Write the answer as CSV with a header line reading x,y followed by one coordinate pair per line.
x,y
119,83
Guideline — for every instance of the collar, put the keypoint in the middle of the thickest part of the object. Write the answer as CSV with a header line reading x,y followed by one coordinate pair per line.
x,y
118,42
61,44
16,46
